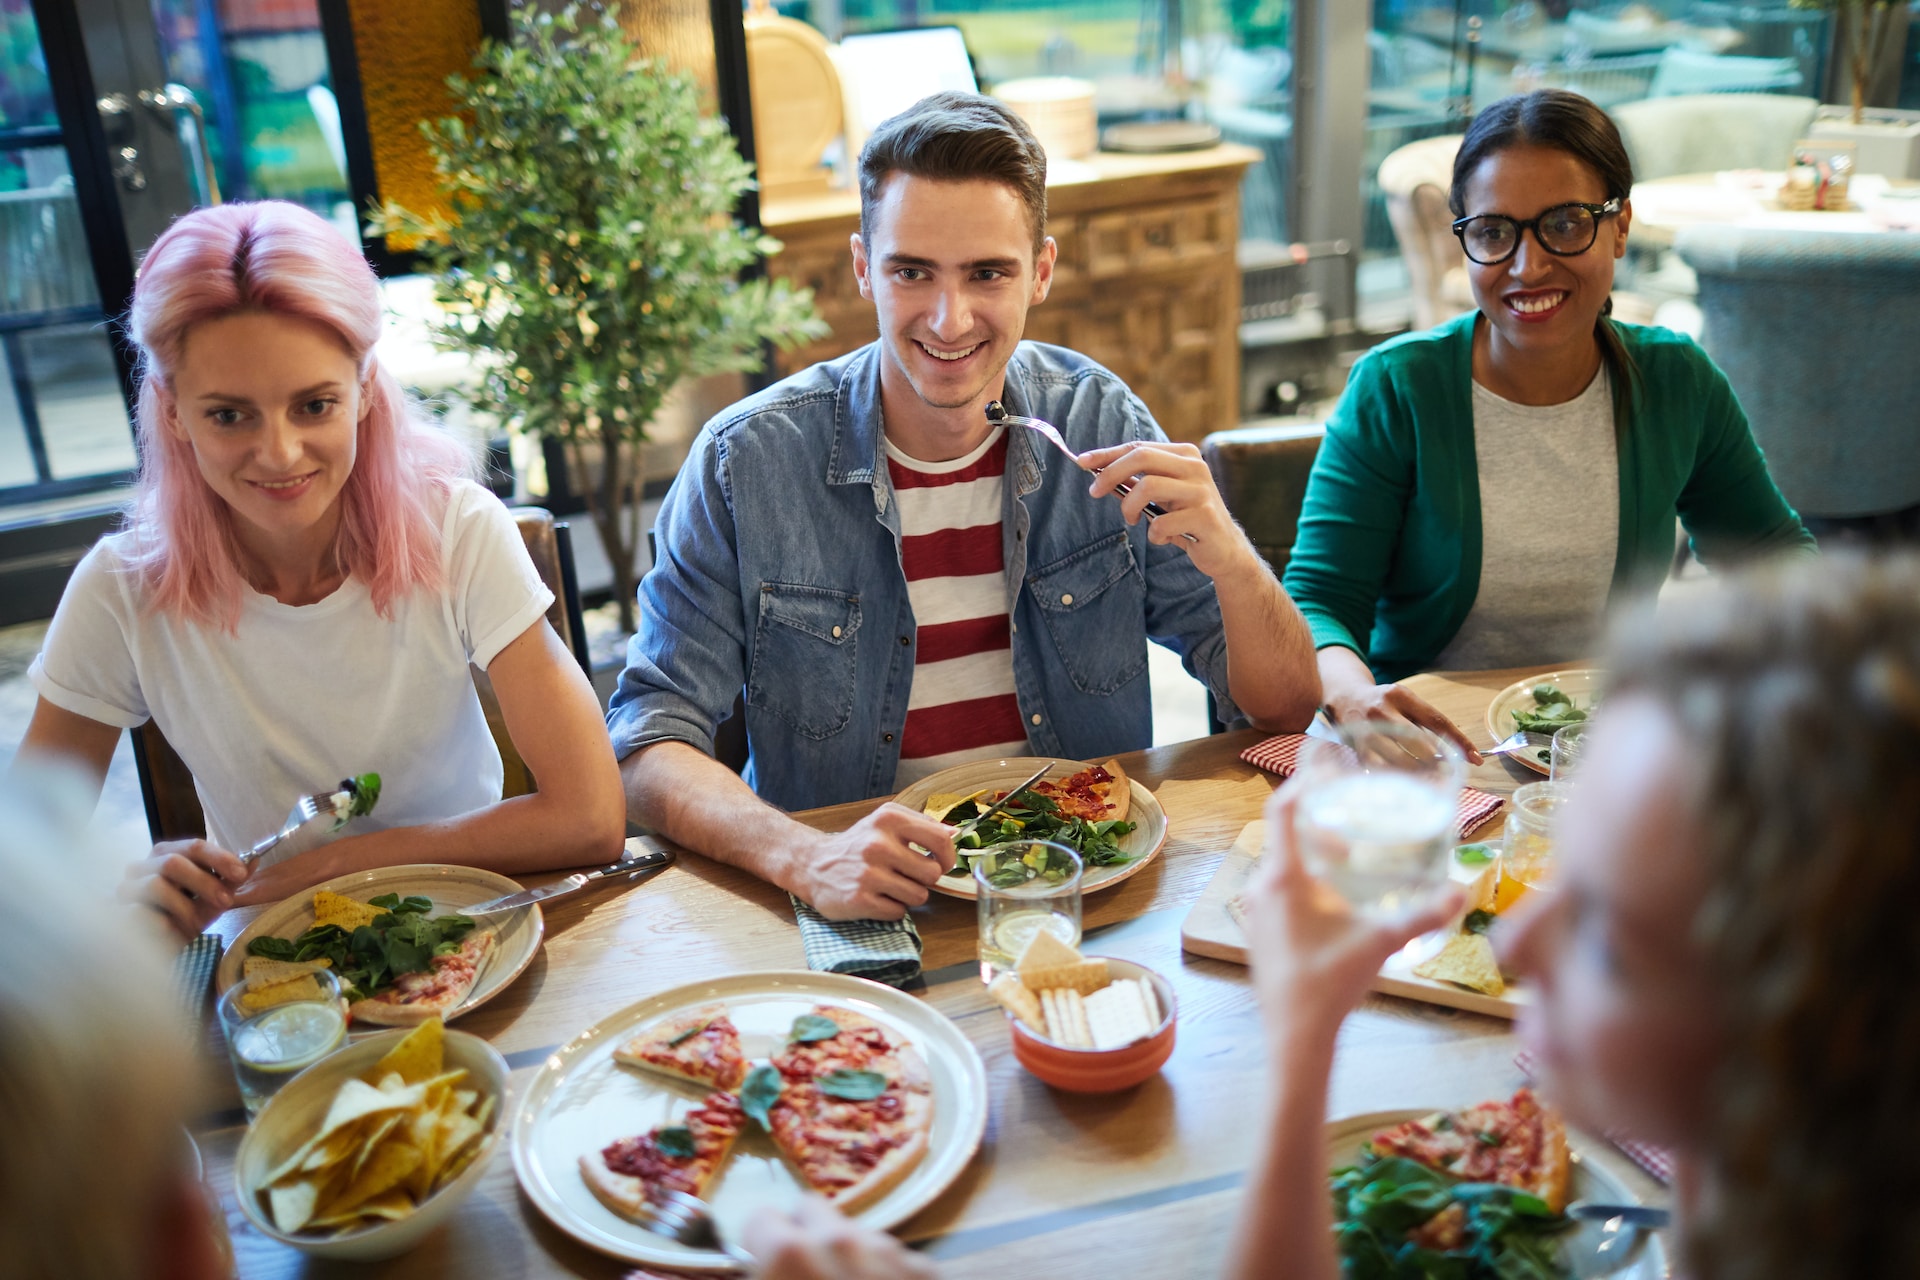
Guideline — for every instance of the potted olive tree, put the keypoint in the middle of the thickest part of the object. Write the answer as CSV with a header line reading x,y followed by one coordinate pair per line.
x,y
591,260
1885,141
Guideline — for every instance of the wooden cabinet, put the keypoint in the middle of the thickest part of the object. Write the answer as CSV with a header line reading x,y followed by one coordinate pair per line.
x,y
1147,282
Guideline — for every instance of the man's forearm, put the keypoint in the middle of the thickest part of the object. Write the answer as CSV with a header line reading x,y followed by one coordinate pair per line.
x,y
700,804
1270,662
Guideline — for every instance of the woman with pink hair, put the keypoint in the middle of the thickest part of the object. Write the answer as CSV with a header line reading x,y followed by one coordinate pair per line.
x,y
306,572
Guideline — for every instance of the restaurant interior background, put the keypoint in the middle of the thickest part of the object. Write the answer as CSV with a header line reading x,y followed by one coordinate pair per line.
x,y
116,115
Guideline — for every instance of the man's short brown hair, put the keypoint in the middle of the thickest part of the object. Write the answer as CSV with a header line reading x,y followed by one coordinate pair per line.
x,y
956,137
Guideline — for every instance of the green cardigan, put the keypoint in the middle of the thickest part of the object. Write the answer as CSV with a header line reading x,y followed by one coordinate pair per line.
x,y
1387,560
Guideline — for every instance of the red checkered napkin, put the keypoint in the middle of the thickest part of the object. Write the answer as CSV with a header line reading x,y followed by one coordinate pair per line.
x,y
1657,1161
1280,754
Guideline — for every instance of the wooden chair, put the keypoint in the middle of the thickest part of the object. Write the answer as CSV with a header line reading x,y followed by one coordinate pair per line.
x,y
1262,475
166,785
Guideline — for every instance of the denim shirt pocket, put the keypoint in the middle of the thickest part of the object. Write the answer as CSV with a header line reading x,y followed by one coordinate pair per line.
x,y
803,657
1093,601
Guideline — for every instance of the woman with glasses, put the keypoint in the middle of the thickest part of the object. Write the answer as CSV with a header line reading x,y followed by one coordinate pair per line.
x,y
1489,489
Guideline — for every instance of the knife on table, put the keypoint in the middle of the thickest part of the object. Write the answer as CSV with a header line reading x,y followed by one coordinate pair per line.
x,y
637,859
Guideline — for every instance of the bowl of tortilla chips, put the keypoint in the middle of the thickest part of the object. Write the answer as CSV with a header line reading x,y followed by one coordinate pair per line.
x,y
364,1153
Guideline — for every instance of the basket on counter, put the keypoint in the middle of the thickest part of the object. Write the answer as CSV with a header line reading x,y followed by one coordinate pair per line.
x,y
1059,110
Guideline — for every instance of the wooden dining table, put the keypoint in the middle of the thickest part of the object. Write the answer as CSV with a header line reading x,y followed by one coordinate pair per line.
x,y
1140,1183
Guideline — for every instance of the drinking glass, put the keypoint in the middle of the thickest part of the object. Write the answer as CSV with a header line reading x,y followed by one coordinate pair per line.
x,y
1526,859
1568,743
271,1045
1378,812
1025,887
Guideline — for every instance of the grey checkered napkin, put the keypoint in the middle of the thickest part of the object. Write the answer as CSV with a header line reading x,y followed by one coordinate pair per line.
x,y
884,950
192,976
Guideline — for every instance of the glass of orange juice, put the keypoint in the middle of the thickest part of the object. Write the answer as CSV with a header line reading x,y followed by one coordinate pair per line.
x,y
1526,857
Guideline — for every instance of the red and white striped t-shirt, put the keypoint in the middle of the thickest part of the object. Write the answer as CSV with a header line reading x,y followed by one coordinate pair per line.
x,y
962,706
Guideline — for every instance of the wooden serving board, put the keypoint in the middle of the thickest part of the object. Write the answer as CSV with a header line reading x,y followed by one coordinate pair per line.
x,y
1211,930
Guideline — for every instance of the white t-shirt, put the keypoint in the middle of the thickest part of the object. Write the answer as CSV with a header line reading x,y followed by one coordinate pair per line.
x,y
298,698
1549,530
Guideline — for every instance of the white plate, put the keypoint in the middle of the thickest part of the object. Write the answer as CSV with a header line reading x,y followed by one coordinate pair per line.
x,y
1143,842
516,934
1347,1137
581,1100
1580,686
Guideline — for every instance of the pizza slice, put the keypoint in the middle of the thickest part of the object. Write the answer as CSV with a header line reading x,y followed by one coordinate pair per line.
x,y
855,1111
701,1045
1518,1142
436,991
1098,793
683,1156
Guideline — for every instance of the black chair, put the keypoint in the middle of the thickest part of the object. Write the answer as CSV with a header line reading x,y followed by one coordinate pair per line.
x,y
1262,474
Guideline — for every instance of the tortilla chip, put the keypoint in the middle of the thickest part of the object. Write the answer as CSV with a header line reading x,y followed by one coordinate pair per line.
x,y
1046,951
280,970
318,1152
292,1205
941,803
389,1166
357,1099
420,1055
259,997
1466,961
377,1131
335,908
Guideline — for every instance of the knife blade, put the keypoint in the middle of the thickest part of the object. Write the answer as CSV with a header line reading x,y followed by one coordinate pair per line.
x,y
999,804
651,860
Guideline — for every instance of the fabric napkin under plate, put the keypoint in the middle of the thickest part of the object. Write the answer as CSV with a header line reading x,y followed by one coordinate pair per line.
x,y
192,975
884,950
1657,1161
1279,754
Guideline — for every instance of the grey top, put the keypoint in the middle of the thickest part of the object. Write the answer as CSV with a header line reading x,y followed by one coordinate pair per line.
x,y
1550,521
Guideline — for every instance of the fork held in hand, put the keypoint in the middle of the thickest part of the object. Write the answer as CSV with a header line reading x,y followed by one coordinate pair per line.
x,y
998,415
688,1220
332,804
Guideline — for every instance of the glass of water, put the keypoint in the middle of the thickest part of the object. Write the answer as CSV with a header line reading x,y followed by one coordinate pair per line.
x,y
1024,888
1378,812
276,1029
1568,743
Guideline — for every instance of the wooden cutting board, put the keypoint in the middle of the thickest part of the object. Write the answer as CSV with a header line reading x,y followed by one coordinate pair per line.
x,y
1211,930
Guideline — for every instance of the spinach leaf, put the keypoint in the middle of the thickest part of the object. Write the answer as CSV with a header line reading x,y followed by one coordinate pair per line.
x,y
675,1140
366,794
809,1027
688,1034
1473,855
760,1091
1478,921
854,1086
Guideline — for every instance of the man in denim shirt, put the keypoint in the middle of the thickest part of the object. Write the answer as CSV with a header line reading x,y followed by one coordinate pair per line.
x,y
804,558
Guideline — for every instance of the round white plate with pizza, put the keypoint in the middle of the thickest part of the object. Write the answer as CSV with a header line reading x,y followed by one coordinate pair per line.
x,y
617,1106
515,938
1587,1179
1141,845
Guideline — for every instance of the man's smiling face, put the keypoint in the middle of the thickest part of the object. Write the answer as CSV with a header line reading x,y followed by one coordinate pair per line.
x,y
951,270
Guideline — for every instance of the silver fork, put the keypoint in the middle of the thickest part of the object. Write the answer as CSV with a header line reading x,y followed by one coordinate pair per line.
x,y
689,1221
306,809
1514,743
997,414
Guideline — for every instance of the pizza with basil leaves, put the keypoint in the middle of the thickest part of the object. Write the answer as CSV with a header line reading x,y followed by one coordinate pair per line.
x,y
701,1045
685,1155
854,1111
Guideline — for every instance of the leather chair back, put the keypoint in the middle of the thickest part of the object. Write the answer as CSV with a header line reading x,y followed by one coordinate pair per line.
x,y
1262,474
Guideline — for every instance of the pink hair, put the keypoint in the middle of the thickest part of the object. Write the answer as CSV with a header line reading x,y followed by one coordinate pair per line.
x,y
277,257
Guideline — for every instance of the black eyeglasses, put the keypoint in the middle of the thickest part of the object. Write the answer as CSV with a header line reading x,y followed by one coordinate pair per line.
x,y
1566,231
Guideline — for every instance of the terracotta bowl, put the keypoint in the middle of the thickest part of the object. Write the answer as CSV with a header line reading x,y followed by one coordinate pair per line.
x,y
1102,1070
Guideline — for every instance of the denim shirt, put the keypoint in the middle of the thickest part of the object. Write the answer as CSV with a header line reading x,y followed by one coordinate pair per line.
x,y
778,570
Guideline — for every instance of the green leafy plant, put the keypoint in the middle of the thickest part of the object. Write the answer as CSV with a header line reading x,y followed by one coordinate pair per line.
x,y
592,261
1868,22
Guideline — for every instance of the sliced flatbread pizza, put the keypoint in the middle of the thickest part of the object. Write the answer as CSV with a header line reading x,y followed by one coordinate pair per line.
x,y
855,1112
683,1156
439,990
1519,1143
1098,793
701,1045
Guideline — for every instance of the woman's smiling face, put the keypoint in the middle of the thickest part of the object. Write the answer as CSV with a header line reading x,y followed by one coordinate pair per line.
x,y
1539,302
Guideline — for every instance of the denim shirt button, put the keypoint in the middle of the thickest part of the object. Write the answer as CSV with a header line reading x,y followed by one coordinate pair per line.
x,y
1036,717
906,640
1067,598
836,633
886,737
1014,628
